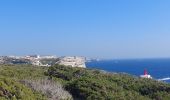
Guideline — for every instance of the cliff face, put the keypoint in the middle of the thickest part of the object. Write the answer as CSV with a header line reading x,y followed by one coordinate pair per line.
x,y
72,61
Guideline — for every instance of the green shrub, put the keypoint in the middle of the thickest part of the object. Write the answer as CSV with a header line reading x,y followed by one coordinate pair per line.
x,y
53,90
9,89
85,84
22,71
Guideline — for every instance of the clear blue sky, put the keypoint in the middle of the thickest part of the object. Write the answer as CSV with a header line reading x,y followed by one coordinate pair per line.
x,y
92,28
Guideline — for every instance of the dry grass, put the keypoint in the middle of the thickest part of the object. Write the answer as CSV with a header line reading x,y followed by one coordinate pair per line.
x,y
53,90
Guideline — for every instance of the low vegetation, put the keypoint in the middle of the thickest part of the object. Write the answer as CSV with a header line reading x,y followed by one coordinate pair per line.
x,y
87,84
53,90
27,82
22,71
32,82
12,90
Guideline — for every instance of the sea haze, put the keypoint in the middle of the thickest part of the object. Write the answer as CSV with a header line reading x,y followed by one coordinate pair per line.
x,y
157,68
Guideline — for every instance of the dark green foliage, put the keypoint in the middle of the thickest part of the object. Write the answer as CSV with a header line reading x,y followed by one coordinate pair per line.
x,y
65,73
22,71
98,85
10,86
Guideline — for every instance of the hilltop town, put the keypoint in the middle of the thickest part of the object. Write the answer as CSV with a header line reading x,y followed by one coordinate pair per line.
x,y
37,60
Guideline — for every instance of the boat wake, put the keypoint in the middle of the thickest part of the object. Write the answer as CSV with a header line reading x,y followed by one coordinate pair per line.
x,y
164,79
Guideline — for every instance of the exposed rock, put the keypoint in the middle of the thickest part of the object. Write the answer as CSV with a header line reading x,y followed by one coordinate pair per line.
x,y
72,61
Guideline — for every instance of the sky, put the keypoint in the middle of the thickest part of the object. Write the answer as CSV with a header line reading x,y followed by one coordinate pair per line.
x,y
90,28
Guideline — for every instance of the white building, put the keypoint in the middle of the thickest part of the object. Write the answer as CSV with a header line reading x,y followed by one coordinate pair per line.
x,y
48,57
36,63
146,75
1,60
32,57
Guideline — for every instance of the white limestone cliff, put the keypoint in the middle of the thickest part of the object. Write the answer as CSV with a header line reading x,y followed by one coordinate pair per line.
x,y
72,61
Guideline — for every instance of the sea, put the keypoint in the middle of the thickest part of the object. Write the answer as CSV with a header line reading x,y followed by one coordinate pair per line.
x,y
159,69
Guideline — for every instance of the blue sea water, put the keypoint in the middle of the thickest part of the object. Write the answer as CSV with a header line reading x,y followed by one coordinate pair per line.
x,y
157,68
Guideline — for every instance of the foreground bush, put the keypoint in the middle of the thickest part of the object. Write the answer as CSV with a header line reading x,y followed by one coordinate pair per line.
x,y
11,90
53,90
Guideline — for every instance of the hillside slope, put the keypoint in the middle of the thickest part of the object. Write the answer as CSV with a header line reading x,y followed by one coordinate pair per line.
x,y
27,82
98,85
